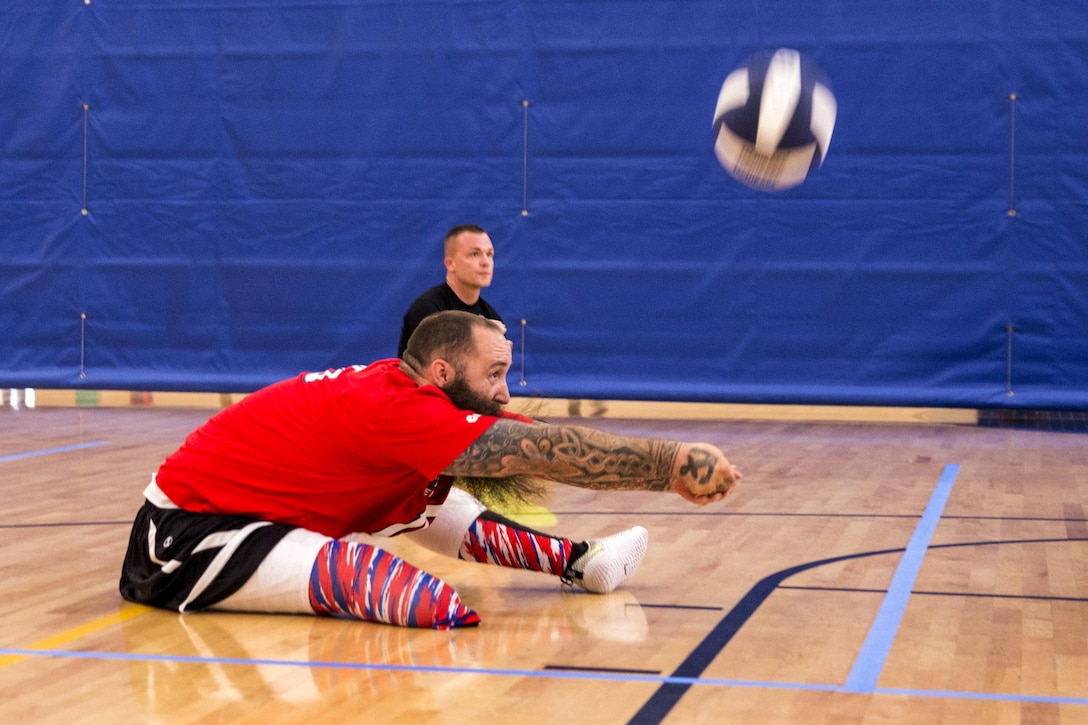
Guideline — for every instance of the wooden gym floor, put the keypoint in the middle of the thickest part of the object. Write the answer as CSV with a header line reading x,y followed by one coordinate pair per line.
x,y
908,568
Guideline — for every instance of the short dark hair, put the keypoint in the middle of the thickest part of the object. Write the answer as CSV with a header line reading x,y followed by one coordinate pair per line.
x,y
447,335
458,231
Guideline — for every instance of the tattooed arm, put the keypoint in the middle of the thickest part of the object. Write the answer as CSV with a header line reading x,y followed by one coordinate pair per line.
x,y
594,459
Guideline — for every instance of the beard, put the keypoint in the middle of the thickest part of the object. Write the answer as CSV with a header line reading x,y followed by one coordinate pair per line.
x,y
507,492
466,398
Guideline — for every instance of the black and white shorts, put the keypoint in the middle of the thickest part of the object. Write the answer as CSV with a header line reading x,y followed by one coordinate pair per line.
x,y
189,561
185,562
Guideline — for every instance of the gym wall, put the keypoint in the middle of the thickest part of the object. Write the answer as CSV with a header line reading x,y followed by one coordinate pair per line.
x,y
207,195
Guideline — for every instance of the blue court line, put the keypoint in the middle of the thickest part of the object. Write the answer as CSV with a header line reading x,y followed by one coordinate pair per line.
x,y
47,451
546,674
662,702
874,652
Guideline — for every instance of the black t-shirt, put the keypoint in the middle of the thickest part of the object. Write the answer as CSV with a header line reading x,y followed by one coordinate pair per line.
x,y
436,299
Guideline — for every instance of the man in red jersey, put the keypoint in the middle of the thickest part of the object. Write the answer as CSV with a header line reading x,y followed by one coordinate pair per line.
x,y
253,511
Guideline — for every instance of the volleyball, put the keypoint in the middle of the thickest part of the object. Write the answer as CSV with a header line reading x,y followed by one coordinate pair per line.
x,y
774,120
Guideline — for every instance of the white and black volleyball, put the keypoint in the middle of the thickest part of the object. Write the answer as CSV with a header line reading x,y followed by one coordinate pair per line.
x,y
774,120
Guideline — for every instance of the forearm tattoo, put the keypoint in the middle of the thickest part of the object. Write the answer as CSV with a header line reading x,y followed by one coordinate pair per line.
x,y
572,454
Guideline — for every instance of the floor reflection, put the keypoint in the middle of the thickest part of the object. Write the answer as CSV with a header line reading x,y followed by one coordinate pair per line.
x,y
221,660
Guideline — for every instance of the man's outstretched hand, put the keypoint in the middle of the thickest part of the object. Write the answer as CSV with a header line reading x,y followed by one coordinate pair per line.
x,y
702,474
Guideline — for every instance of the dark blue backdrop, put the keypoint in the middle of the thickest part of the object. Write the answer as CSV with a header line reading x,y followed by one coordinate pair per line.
x,y
231,192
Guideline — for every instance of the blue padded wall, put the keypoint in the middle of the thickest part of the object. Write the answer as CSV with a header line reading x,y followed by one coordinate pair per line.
x,y
207,195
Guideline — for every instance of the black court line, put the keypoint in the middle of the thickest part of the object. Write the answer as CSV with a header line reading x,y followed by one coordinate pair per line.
x,y
664,700
741,514
1050,519
963,517
610,670
66,524
661,703
798,515
925,593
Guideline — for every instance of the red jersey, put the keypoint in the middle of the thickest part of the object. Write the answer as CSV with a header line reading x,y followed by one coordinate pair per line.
x,y
355,450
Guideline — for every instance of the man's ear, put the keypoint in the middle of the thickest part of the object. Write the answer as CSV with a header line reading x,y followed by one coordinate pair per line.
x,y
442,373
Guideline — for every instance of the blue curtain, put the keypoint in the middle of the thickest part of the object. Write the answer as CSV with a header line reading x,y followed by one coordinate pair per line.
x,y
207,195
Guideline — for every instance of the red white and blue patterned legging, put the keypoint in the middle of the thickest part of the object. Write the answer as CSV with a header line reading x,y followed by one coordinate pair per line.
x,y
358,580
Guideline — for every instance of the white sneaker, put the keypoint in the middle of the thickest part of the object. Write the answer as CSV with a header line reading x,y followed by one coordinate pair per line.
x,y
609,562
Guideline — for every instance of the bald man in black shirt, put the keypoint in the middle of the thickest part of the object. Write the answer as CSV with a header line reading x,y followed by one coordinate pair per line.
x,y
470,263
